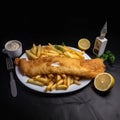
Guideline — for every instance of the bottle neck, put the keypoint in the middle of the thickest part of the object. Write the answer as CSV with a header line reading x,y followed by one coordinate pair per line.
x,y
102,35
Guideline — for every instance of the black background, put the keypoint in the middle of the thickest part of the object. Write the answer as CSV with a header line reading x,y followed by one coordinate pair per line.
x,y
56,25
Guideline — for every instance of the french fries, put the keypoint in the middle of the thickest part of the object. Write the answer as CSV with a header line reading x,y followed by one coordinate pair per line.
x,y
31,55
54,82
53,50
51,81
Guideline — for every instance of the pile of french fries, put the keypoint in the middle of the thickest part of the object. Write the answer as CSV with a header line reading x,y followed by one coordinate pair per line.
x,y
54,82
51,81
53,50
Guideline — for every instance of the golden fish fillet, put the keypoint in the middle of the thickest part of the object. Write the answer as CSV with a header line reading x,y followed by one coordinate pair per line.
x,y
61,65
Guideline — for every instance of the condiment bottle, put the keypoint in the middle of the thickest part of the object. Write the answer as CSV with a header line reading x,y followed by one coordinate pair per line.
x,y
100,42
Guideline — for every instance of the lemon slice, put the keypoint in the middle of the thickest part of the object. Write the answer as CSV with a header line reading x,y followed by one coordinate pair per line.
x,y
84,44
104,81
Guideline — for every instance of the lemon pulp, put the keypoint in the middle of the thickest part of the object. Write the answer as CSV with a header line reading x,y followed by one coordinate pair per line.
x,y
104,81
84,44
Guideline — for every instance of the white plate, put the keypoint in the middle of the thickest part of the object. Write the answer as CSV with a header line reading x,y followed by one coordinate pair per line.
x,y
73,87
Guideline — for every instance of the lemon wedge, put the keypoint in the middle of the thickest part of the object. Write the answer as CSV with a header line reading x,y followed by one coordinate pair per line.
x,y
84,44
104,81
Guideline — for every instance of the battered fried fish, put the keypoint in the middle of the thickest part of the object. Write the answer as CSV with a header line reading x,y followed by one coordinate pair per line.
x,y
61,65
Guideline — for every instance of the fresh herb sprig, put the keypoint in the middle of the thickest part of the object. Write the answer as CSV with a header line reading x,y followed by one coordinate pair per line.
x,y
108,56
59,48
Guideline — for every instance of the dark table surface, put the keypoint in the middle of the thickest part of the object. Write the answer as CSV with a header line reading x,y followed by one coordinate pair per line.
x,y
83,104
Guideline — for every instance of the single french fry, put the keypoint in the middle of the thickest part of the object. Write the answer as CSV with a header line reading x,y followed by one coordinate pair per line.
x,y
80,53
68,81
68,54
53,87
34,49
64,76
32,81
42,79
39,50
71,81
64,81
52,54
53,51
58,77
71,55
61,87
76,78
48,88
76,82
60,82
50,76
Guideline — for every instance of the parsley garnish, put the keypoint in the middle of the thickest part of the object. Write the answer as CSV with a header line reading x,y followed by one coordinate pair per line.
x,y
58,48
108,56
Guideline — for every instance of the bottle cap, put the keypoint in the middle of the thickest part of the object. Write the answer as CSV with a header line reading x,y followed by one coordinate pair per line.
x,y
103,31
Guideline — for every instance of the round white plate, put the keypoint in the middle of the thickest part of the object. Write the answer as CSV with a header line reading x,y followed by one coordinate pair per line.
x,y
73,87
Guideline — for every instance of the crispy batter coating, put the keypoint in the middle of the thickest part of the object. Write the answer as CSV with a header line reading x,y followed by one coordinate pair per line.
x,y
61,65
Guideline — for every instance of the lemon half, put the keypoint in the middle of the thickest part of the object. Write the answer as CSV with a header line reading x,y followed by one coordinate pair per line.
x,y
84,44
104,81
